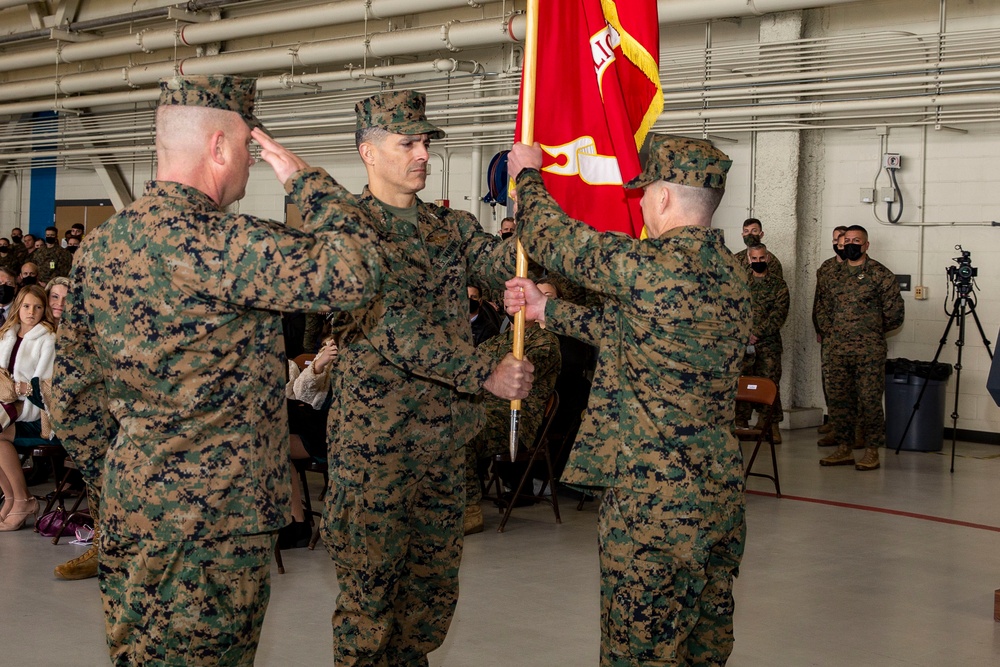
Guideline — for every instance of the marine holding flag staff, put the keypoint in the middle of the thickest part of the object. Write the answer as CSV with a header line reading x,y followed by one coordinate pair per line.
x,y
656,436
402,406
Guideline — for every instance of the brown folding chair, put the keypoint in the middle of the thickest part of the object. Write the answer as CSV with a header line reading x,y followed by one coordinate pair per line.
x,y
761,393
539,448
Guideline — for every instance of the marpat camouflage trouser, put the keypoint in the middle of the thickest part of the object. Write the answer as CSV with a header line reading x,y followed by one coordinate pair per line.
x,y
394,530
186,603
666,580
855,384
765,364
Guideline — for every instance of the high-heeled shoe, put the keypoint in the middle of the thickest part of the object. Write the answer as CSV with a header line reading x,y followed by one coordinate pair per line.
x,y
16,519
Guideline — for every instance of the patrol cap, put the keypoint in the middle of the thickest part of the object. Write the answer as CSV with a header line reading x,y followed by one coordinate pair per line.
x,y
214,91
398,111
694,162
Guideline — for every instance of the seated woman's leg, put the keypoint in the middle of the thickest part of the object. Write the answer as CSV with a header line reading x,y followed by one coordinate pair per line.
x,y
10,464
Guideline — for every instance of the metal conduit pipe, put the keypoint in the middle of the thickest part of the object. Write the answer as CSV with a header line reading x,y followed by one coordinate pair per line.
x,y
686,11
453,36
282,81
191,34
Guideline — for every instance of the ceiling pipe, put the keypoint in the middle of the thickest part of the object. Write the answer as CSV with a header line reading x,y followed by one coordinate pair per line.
x,y
193,34
452,36
279,82
688,11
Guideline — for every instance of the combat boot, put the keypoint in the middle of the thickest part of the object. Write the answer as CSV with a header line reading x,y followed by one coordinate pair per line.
x,y
825,428
869,461
775,434
827,440
842,456
474,522
83,566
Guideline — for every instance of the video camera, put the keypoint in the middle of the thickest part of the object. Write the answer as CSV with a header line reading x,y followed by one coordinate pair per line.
x,y
961,276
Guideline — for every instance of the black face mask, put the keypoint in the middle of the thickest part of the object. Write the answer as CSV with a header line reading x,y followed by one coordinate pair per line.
x,y
72,248
15,239
473,306
4,249
758,267
29,280
50,240
853,252
506,235
838,250
7,293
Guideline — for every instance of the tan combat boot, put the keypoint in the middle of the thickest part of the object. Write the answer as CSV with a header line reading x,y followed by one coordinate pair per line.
x,y
842,456
776,434
83,566
825,428
870,460
827,440
474,519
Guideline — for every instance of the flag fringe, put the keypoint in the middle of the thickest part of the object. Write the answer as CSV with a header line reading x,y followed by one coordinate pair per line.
x,y
641,58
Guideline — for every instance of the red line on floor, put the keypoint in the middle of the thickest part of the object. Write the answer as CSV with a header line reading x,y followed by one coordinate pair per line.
x,y
883,510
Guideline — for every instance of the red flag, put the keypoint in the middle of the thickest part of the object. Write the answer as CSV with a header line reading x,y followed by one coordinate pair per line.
x,y
597,93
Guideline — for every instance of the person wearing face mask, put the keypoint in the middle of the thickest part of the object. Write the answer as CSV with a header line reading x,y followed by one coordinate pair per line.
x,y
72,244
51,259
825,273
28,275
753,233
868,305
484,321
769,302
507,228
8,257
8,290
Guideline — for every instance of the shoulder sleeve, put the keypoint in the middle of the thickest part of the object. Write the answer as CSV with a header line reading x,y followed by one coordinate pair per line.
x,y
580,322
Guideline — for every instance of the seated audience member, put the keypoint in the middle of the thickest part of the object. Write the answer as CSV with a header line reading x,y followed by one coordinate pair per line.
x,y
8,290
39,244
83,566
8,258
484,320
507,227
29,245
541,348
27,350
308,393
51,259
29,274
573,383
73,244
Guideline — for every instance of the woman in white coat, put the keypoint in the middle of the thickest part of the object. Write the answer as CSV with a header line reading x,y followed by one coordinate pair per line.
x,y
27,350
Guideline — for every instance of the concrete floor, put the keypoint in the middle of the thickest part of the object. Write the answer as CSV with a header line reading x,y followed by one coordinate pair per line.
x,y
835,573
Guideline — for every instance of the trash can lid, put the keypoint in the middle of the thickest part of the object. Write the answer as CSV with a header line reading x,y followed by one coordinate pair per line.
x,y
929,370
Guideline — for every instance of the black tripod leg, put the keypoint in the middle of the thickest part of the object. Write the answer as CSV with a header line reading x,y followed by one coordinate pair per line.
x,y
979,325
920,396
960,343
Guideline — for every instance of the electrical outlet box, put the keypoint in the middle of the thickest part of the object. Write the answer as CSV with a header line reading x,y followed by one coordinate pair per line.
x,y
892,160
887,195
920,293
867,195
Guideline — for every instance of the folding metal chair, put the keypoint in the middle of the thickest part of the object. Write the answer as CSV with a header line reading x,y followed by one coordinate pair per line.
x,y
761,393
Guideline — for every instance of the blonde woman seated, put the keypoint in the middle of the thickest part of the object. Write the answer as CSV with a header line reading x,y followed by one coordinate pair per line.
x,y
27,350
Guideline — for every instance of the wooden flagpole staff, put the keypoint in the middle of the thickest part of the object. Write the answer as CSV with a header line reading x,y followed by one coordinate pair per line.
x,y
527,137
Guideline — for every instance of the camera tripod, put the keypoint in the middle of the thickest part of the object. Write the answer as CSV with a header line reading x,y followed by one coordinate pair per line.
x,y
964,304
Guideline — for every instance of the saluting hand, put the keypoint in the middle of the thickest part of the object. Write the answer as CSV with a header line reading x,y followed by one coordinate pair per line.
x,y
284,162
511,379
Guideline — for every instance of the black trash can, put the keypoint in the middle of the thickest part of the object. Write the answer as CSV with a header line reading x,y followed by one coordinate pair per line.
x,y
904,380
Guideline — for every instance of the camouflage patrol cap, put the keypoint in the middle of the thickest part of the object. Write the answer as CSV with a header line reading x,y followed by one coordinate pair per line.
x,y
694,162
216,91
398,111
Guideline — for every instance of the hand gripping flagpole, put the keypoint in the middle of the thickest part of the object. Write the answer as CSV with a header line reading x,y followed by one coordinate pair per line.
x,y
527,137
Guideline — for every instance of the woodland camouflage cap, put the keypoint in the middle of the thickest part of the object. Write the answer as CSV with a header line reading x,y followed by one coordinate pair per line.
x,y
216,91
694,162
398,111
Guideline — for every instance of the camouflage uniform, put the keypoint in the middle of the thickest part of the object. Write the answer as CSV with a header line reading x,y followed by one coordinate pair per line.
x,y
401,415
773,265
826,272
541,347
52,262
167,360
860,305
11,261
657,432
769,298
